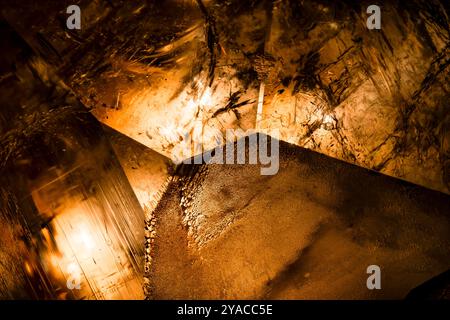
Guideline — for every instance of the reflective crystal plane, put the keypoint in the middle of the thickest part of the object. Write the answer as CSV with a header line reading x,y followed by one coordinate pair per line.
x,y
74,228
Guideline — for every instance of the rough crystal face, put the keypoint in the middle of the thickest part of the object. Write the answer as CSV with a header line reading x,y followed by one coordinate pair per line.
x,y
308,232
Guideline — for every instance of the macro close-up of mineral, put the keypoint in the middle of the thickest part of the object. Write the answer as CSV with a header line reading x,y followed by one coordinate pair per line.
x,y
225,150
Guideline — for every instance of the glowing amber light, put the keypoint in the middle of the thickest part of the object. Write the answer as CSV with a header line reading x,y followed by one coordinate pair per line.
x,y
89,260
